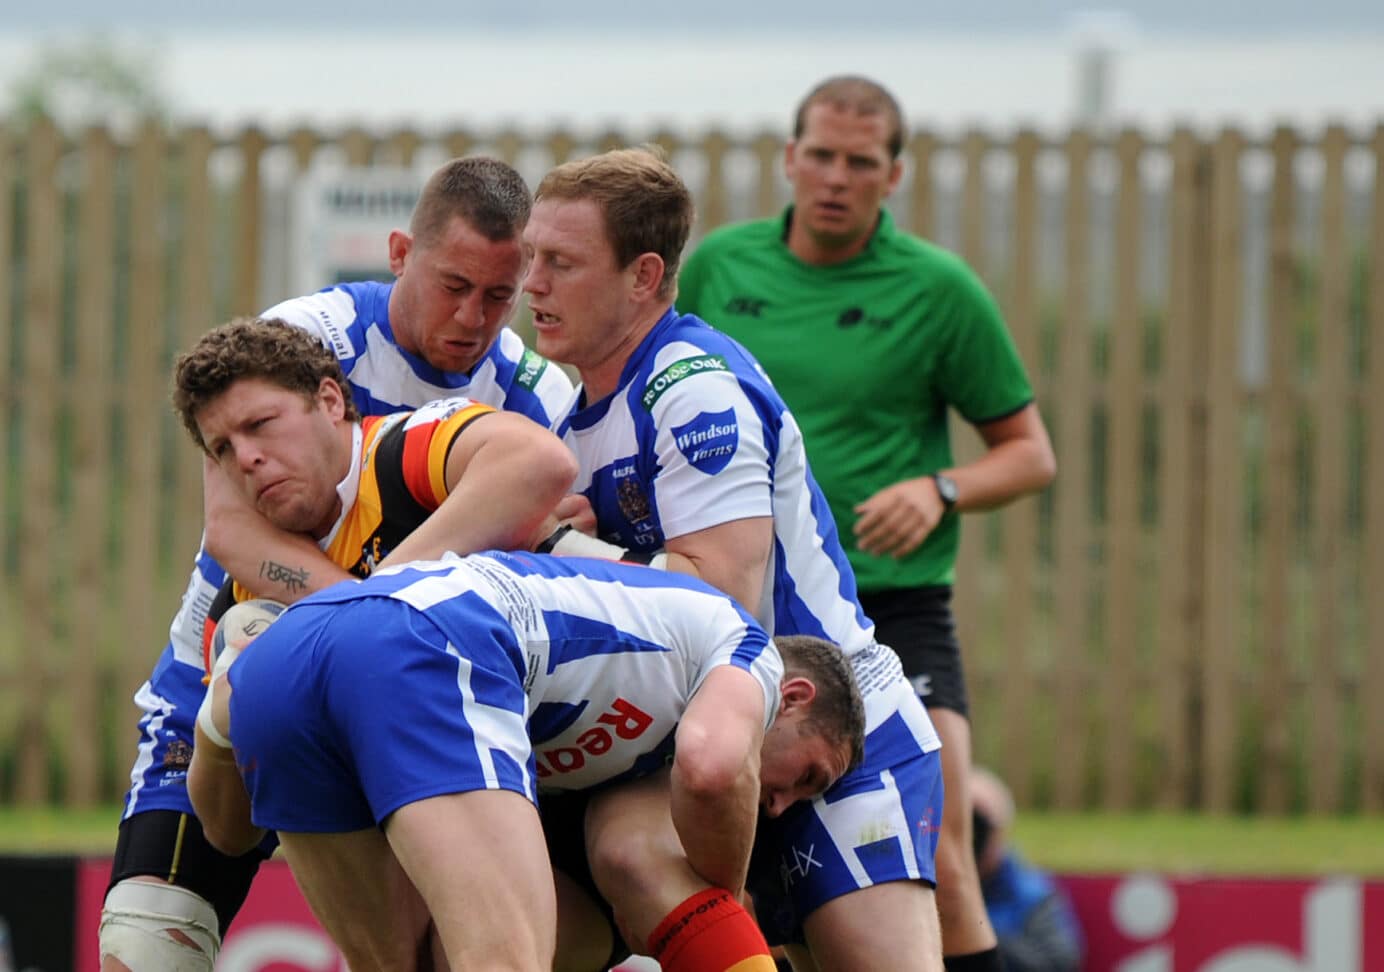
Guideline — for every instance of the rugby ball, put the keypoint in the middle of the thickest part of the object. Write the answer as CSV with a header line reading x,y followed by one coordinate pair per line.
x,y
242,623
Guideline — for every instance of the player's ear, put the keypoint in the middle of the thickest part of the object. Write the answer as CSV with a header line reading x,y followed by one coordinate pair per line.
x,y
789,158
796,692
400,243
333,399
895,174
648,275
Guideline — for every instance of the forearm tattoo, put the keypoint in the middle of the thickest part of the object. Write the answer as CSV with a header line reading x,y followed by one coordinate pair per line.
x,y
294,579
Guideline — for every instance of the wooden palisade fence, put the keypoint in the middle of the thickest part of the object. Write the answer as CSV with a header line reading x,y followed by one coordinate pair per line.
x,y
1191,618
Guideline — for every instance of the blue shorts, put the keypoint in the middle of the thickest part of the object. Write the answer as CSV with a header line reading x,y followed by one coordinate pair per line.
x,y
343,712
169,701
158,779
878,823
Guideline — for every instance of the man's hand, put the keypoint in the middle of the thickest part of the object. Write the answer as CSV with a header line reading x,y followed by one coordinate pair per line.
x,y
572,510
897,519
575,510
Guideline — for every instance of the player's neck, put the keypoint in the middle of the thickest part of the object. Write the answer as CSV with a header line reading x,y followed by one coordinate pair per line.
x,y
817,251
600,379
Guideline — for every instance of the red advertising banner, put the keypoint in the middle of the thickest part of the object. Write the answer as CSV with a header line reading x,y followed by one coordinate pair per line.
x,y
1132,923
1151,923
274,932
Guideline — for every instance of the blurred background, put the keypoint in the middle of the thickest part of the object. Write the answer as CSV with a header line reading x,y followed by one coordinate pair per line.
x,y
1177,203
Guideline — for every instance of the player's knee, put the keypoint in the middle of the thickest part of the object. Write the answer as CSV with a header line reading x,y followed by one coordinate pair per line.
x,y
148,926
628,863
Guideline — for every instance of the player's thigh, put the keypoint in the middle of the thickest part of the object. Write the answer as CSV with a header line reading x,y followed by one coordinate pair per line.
x,y
361,896
888,927
955,732
479,861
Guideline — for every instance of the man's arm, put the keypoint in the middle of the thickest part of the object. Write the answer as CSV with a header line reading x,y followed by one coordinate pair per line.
x,y
504,474
715,775
1018,460
732,557
267,561
214,783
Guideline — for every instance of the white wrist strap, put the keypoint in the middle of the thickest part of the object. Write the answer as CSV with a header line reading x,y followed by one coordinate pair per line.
x,y
204,720
568,542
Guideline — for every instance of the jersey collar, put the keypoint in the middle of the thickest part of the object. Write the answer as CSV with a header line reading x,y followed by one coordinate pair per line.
x,y
884,232
348,489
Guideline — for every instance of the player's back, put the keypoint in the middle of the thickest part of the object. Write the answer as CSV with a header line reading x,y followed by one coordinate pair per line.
x,y
610,653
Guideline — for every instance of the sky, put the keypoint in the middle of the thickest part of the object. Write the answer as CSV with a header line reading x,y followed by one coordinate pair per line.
x,y
538,64
1227,16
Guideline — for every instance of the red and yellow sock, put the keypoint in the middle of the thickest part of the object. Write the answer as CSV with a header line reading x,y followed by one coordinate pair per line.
x,y
710,932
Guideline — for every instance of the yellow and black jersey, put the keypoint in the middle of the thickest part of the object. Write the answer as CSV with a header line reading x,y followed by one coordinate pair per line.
x,y
397,479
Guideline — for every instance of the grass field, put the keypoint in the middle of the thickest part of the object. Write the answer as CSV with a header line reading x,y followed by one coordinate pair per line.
x,y
1064,842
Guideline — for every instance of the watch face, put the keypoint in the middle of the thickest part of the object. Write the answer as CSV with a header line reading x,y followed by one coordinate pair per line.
x,y
946,488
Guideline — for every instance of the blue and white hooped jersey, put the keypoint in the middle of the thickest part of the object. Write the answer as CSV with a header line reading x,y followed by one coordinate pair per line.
x,y
696,436
611,652
353,320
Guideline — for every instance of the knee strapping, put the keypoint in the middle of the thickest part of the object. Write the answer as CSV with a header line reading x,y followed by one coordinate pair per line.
x,y
137,920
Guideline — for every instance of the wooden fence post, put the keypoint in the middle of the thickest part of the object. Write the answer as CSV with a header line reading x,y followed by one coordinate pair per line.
x,y
1124,458
1372,567
38,523
1223,550
1276,558
1072,530
1329,421
1021,637
92,469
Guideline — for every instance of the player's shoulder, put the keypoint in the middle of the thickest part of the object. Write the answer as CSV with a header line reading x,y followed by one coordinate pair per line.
x,y
532,384
907,250
336,315
442,409
695,361
531,369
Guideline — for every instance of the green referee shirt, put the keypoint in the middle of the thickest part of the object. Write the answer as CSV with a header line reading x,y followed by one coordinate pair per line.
x,y
868,354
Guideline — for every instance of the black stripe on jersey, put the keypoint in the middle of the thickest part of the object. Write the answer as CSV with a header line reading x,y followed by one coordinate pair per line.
x,y
401,512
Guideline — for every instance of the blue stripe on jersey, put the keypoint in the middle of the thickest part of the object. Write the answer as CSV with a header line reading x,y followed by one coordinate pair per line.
x,y
550,719
584,637
881,859
212,572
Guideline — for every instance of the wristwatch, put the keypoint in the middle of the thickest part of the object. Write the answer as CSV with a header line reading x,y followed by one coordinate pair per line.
x,y
946,488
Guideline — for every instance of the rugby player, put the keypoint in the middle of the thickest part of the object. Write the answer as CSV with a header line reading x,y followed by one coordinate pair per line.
x,y
690,458
270,406
382,728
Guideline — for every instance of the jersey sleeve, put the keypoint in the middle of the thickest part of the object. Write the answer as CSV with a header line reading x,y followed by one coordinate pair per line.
x,y
411,453
980,373
713,444
723,633
329,314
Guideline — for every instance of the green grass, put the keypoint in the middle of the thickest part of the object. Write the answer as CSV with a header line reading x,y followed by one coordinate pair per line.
x,y
48,831
1179,844
1065,842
